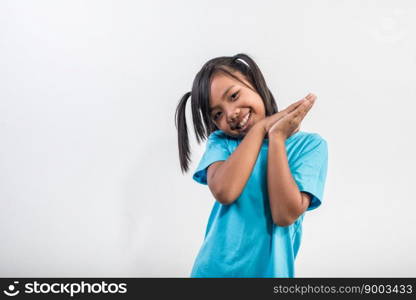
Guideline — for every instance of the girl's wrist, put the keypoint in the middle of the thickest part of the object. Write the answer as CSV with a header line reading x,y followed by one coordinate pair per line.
x,y
277,135
263,125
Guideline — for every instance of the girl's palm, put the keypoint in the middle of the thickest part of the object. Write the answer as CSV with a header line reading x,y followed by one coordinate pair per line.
x,y
290,122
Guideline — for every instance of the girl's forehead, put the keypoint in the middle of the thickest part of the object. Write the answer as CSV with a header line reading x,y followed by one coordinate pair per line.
x,y
221,82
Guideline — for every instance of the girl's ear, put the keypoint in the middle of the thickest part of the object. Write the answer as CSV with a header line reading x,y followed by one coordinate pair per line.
x,y
183,140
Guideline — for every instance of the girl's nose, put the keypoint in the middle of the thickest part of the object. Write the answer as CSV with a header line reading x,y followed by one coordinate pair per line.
x,y
232,116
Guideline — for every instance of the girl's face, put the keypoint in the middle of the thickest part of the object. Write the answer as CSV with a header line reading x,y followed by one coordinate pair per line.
x,y
234,107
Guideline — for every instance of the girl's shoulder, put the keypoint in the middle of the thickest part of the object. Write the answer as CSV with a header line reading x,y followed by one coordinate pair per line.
x,y
218,133
218,136
301,139
307,137
305,142
298,136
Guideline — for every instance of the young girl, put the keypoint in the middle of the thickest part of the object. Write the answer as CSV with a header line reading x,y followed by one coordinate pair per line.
x,y
263,172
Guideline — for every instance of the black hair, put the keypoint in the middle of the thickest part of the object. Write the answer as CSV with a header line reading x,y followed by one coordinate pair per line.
x,y
200,95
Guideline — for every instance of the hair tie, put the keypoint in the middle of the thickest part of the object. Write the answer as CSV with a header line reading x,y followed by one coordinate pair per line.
x,y
243,62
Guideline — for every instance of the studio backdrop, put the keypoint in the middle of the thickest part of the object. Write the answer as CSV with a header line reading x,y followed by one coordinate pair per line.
x,y
90,180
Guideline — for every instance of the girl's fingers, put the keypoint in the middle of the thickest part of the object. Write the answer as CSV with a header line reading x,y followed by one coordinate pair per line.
x,y
296,111
300,112
295,105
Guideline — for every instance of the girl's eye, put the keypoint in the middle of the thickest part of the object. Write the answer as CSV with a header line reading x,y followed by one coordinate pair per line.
x,y
216,116
235,94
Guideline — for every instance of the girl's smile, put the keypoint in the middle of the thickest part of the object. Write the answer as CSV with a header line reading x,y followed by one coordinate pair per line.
x,y
244,123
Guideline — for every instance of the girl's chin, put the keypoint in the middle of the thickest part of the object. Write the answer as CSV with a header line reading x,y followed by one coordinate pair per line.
x,y
241,133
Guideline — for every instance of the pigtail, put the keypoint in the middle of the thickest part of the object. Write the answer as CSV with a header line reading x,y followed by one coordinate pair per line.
x,y
183,140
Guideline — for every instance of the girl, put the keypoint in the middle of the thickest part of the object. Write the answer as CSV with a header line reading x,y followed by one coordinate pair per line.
x,y
263,172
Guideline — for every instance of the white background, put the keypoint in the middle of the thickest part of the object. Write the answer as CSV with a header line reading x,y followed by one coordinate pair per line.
x,y
90,183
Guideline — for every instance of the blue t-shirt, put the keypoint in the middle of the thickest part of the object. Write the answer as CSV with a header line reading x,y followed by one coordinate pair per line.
x,y
241,239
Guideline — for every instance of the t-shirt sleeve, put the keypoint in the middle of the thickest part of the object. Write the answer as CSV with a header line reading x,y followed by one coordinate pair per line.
x,y
310,168
216,150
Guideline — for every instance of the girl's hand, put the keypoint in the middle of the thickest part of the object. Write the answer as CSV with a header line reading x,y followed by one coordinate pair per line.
x,y
289,124
269,121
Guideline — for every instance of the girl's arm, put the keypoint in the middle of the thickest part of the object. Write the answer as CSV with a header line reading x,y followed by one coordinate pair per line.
x,y
226,179
287,203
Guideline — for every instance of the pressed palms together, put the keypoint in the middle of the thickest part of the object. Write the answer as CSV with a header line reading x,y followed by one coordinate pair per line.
x,y
287,122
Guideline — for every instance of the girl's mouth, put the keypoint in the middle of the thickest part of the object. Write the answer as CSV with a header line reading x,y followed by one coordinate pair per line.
x,y
242,126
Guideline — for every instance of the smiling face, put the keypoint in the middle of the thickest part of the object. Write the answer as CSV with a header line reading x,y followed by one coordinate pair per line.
x,y
234,107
